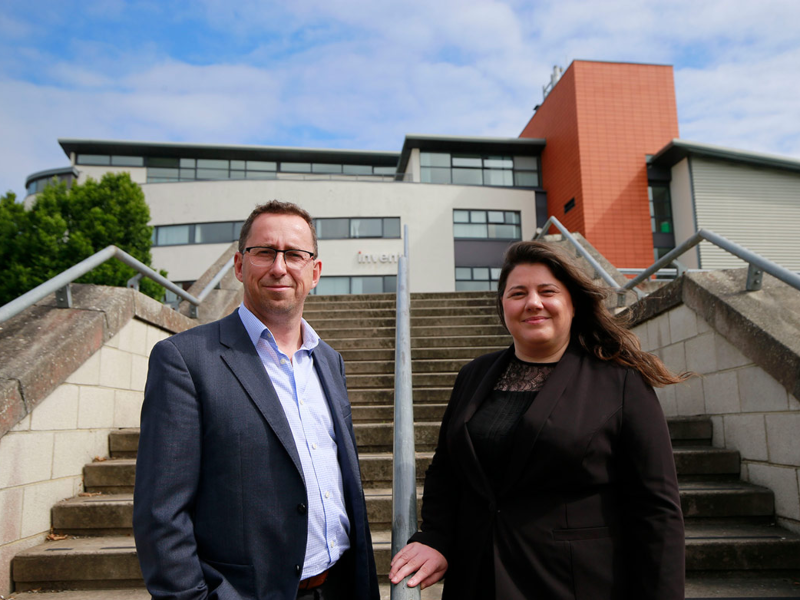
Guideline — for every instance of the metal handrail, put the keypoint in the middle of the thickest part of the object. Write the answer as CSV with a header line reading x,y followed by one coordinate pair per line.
x,y
757,265
404,480
60,284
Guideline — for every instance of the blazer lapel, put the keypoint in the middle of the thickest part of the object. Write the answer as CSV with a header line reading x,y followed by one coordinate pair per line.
x,y
241,357
461,439
534,419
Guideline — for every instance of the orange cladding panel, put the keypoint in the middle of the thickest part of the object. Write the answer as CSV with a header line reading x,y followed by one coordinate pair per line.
x,y
619,114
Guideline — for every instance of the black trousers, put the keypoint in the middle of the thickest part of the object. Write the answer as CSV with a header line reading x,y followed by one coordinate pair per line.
x,y
336,586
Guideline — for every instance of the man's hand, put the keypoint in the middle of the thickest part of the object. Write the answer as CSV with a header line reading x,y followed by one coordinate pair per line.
x,y
429,565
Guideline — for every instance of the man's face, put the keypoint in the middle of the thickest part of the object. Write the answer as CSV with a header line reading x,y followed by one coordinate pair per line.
x,y
277,291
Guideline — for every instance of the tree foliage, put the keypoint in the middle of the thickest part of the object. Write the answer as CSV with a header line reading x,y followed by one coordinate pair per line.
x,y
65,226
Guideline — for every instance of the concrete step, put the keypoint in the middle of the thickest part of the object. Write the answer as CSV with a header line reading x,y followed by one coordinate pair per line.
x,y
123,443
471,341
363,367
418,380
690,431
79,563
702,463
378,437
94,515
732,549
386,395
435,331
385,413
115,476
706,588
422,353
358,321
376,468
723,500
379,507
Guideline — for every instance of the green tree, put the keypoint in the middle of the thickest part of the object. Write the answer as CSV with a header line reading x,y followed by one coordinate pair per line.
x,y
65,226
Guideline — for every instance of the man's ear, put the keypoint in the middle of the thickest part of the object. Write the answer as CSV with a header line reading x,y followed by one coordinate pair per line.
x,y
316,273
238,259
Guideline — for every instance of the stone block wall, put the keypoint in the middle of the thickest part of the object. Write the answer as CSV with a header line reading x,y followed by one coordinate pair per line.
x,y
751,411
42,456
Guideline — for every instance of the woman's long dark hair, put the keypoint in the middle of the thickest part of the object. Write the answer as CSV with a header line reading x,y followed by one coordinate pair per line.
x,y
598,331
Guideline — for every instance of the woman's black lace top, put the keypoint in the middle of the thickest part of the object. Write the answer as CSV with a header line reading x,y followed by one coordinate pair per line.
x,y
492,426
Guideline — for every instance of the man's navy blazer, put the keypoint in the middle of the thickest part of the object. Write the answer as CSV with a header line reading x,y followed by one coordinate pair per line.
x,y
220,508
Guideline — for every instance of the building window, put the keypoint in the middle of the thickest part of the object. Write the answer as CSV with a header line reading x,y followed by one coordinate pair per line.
x,y
472,279
476,169
38,185
569,206
198,233
103,160
342,229
369,284
660,209
486,224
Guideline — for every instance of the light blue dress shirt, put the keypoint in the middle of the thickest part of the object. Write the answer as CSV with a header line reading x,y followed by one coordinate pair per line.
x,y
298,387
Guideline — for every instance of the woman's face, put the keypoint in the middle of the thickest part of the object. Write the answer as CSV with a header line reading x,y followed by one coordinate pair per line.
x,y
538,313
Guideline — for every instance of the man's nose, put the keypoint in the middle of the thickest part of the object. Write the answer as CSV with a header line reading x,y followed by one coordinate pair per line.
x,y
279,264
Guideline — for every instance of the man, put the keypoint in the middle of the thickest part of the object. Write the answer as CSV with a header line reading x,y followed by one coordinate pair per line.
x,y
247,481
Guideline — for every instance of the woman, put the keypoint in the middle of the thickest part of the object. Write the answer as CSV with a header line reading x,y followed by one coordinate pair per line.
x,y
554,476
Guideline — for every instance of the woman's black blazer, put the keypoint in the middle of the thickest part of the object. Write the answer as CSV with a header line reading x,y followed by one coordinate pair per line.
x,y
588,506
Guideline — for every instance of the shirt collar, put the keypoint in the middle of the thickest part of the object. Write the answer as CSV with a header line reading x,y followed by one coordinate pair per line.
x,y
256,330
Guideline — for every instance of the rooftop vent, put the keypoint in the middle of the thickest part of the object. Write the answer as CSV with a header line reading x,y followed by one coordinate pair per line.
x,y
556,75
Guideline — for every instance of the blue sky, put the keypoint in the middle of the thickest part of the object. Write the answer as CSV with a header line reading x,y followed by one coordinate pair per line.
x,y
361,74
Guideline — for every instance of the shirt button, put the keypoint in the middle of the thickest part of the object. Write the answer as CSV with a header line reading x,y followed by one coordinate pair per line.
x,y
298,569
327,494
301,508
302,403
313,446
283,361
332,544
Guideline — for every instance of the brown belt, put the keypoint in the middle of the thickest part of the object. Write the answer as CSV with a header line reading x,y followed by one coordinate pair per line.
x,y
314,582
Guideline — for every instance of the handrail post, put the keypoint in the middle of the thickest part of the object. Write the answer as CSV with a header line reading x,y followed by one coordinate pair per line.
x,y
404,480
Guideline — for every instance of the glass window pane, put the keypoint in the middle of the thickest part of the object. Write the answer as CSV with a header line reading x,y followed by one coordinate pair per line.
x,y
498,177
461,230
162,161
364,228
480,273
460,216
366,285
477,216
467,161
205,163
384,170
389,284
260,165
496,216
526,163
391,227
498,162
212,173
186,174
473,286
213,233
333,286
434,175
495,271
187,163
238,165
93,159
163,173
463,273
261,175
333,229
325,168
467,177
434,159
357,169
237,174
237,229
41,184
526,179
292,167
504,232
127,161
512,217
172,234
32,187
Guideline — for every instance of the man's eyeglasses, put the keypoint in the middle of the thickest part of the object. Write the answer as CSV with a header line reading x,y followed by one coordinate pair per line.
x,y
264,256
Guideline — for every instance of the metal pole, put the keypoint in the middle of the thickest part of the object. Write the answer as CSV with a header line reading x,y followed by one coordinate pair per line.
x,y
404,481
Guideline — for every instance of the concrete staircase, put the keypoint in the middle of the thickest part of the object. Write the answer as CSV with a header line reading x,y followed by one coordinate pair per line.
x,y
733,547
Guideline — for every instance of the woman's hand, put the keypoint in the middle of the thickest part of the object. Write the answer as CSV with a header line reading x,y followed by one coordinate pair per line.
x,y
429,565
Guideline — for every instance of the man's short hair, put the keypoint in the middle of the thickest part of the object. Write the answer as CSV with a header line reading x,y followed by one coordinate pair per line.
x,y
276,207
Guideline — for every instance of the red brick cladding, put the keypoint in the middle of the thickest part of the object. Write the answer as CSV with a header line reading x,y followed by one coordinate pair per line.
x,y
600,121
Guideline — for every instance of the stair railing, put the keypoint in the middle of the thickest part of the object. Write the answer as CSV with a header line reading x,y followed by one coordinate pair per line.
x,y
404,477
60,284
757,265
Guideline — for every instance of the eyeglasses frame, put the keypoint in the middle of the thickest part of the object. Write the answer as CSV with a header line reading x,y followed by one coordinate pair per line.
x,y
311,254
